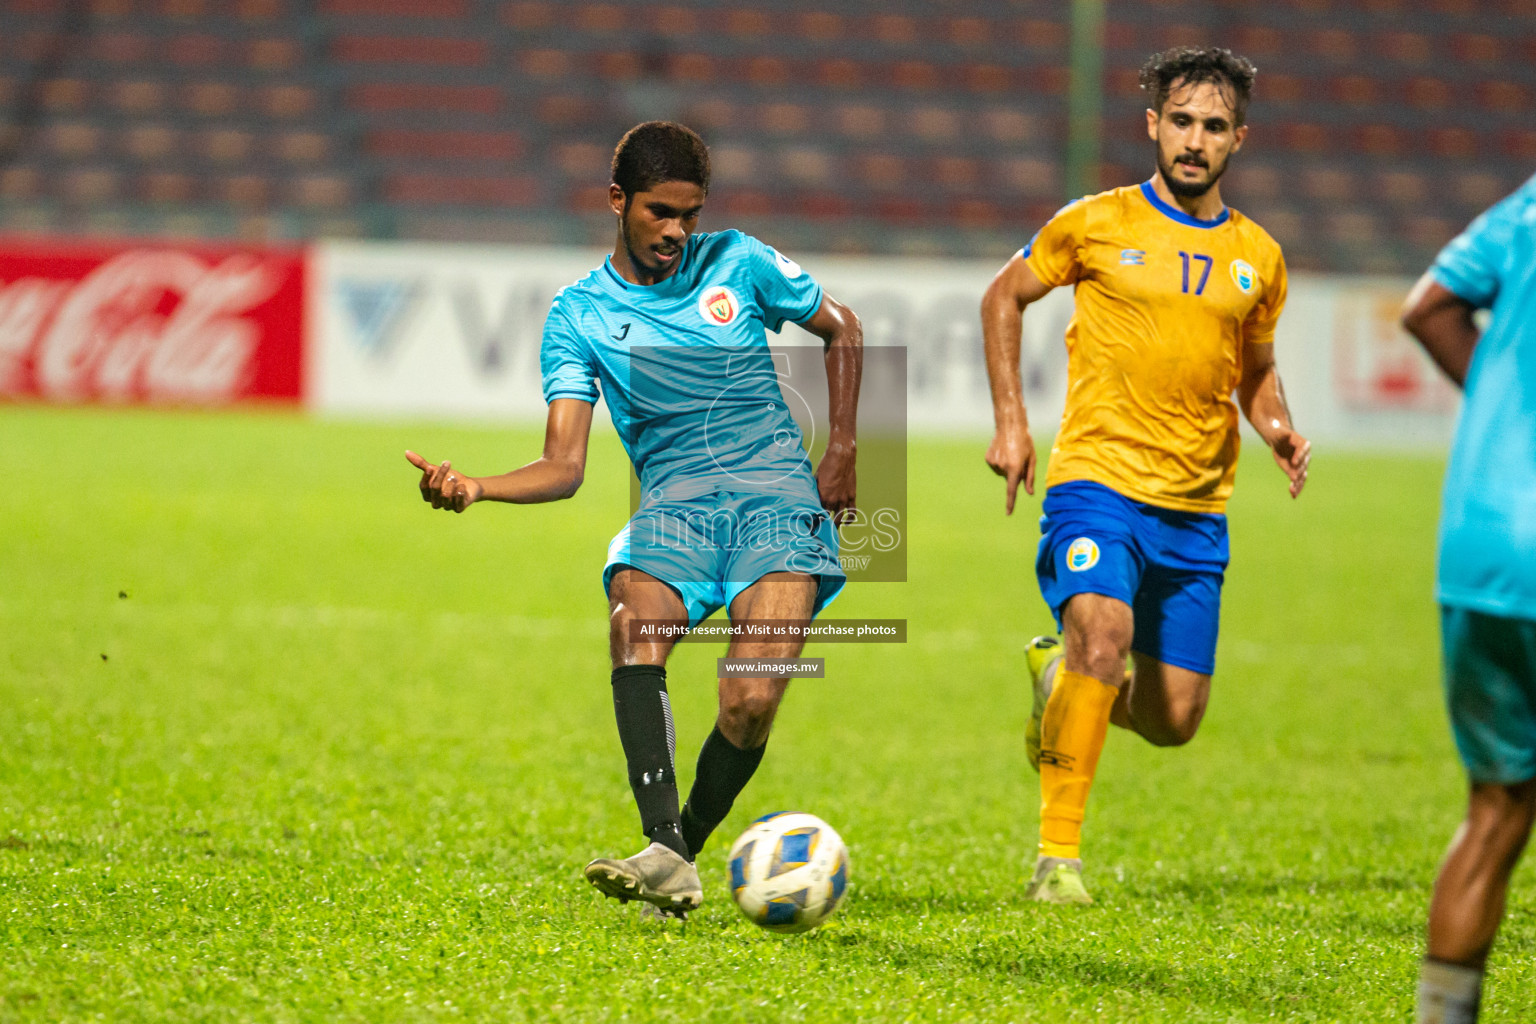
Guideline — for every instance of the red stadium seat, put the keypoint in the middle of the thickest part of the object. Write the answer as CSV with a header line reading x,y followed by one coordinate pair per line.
x,y
881,172
137,97
66,95
1453,142
528,15
416,51
858,120
458,99
210,99
786,118
19,181
1429,94
245,190
1355,90
840,73
196,49
1475,48
808,165
303,148
597,18
1402,187
1329,183
273,54
1030,177
284,102
453,190
90,185
1520,144
583,161
418,144
115,47
1504,97
166,187
73,140
933,124
226,146
152,143
332,191
396,8
1411,48
1381,139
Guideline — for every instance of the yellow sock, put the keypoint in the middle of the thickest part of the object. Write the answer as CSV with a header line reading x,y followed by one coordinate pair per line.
x,y
1071,738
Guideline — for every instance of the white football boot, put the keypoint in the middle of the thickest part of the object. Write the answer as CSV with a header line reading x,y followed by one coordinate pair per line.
x,y
656,875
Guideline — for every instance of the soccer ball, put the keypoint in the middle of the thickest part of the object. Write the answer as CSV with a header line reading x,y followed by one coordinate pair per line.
x,y
788,871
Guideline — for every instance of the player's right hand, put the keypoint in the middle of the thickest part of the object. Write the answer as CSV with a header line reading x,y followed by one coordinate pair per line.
x,y
1012,457
442,488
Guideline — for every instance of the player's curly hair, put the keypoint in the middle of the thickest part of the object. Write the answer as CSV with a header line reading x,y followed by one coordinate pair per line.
x,y
1190,65
659,151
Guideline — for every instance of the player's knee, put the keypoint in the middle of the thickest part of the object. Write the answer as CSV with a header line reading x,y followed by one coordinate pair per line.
x,y
1104,656
751,708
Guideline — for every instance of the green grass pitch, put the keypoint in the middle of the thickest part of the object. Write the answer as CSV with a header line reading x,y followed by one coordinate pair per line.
x,y
279,742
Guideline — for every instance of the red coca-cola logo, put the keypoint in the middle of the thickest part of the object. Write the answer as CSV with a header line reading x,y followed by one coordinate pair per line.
x,y
162,325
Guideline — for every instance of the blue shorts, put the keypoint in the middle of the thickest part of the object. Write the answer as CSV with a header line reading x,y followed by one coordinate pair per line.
x,y
711,548
1490,690
1167,565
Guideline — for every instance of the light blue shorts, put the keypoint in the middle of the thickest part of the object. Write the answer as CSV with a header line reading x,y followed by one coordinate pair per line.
x,y
1490,690
711,548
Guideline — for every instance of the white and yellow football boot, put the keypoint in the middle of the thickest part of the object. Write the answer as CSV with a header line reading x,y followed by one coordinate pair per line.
x,y
1058,880
1039,656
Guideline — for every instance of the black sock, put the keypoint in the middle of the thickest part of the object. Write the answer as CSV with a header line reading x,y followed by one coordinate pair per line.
x,y
645,728
724,771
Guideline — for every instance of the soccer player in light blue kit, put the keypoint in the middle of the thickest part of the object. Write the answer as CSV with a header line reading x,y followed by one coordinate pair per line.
x,y
1486,581
670,330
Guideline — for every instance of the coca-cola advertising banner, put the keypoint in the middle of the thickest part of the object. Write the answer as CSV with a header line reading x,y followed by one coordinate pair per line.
x,y
159,323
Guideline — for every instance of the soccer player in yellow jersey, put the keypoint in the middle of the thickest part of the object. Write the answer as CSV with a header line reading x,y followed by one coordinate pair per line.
x,y
1176,302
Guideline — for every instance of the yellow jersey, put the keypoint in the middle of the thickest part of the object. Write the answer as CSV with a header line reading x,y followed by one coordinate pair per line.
x,y
1165,304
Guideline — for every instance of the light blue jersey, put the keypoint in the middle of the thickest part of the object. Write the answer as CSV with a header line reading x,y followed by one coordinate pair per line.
x,y
685,368
1488,524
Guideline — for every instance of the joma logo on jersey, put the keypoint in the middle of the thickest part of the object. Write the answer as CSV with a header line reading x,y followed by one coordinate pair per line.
x,y
718,305
1133,257
1244,276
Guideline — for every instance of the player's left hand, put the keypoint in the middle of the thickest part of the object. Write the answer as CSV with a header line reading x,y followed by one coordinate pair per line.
x,y
1292,454
837,482
442,488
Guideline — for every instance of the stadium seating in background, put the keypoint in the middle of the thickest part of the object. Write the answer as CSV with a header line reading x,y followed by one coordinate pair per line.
x,y
934,127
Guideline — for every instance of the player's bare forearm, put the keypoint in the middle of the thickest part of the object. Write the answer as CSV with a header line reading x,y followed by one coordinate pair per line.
x,y
1012,452
1262,398
555,475
1442,322
842,337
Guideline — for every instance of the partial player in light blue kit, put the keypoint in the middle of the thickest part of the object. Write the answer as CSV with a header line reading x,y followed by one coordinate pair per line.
x,y
671,332
696,399
1486,581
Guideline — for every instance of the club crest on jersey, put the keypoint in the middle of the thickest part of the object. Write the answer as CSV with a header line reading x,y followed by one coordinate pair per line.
x,y
1244,276
718,305
1082,555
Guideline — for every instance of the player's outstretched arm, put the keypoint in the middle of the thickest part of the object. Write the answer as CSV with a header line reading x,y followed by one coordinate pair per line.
x,y
1262,399
554,475
842,336
1442,322
1012,452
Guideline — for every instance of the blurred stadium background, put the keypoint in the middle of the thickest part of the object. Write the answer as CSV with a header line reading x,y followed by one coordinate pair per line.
x,y
866,126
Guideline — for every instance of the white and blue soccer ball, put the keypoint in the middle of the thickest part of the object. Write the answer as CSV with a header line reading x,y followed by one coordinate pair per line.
x,y
789,871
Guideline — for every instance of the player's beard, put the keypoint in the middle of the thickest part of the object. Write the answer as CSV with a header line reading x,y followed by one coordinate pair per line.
x,y
642,255
1187,189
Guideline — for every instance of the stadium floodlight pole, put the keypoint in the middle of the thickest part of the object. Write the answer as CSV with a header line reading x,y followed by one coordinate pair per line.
x,y
1085,97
